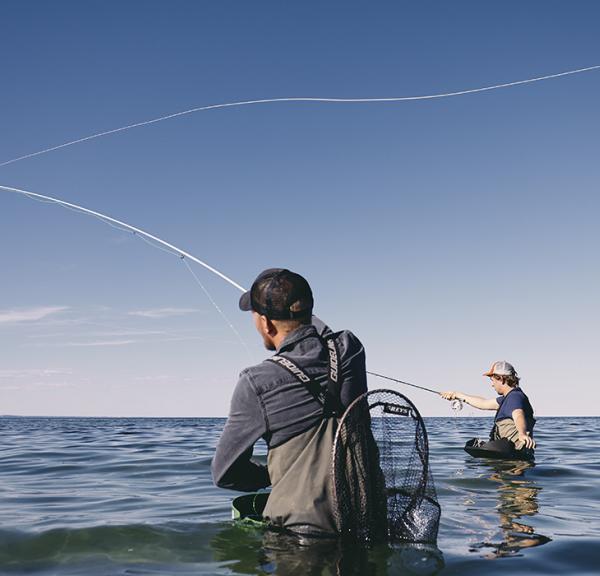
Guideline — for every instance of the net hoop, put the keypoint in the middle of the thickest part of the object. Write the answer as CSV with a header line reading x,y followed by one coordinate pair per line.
x,y
384,457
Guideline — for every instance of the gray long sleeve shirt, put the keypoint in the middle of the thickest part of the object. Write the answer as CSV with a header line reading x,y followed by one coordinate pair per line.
x,y
268,402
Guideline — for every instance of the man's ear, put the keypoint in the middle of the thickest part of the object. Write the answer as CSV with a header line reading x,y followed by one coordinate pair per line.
x,y
269,327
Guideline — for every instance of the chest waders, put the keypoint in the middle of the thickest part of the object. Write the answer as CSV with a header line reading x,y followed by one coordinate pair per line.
x,y
503,444
361,474
300,469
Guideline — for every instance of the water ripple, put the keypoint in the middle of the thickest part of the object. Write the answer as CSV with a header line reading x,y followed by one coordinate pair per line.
x,y
135,496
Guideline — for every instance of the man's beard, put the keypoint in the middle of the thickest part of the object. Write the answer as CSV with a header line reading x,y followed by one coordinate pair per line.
x,y
268,344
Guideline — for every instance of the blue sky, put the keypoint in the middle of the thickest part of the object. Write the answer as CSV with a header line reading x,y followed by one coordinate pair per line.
x,y
445,233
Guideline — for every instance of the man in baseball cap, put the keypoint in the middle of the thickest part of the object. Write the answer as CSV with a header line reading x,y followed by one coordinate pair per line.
x,y
279,294
501,368
291,400
514,418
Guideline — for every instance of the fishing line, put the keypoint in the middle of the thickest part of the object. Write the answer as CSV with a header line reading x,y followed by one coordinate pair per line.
x,y
218,309
156,246
198,281
171,249
152,244
297,99
151,240
456,404
102,219
123,225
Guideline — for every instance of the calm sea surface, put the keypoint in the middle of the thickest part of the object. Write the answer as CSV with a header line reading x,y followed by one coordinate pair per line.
x,y
134,496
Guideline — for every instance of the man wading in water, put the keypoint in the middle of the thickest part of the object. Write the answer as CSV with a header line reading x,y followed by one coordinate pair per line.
x,y
514,415
291,400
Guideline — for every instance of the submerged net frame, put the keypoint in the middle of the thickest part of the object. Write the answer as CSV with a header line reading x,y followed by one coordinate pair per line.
x,y
382,483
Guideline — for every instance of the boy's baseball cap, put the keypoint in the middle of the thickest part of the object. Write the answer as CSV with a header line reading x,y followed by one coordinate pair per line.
x,y
501,368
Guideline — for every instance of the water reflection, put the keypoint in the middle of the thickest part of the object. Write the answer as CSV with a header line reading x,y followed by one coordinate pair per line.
x,y
248,550
517,505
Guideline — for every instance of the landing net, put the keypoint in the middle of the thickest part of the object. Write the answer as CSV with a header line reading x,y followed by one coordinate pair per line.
x,y
383,488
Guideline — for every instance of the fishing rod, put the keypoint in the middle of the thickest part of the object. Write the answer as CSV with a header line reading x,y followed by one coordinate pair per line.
x,y
456,403
402,382
123,226
172,249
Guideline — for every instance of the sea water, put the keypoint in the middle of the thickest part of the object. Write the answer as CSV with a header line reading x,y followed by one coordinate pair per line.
x,y
134,496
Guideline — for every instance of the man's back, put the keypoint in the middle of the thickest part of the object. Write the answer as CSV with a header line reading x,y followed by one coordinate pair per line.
x,y
272,403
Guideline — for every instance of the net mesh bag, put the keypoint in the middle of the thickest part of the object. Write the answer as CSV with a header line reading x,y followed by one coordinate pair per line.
x,y
382,484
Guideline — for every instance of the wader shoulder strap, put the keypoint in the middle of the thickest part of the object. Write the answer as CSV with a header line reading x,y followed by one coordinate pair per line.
x,y
299,374
335,374
328,398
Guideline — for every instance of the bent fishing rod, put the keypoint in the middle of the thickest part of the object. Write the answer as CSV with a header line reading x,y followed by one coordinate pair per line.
x,y
119,224
172,249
